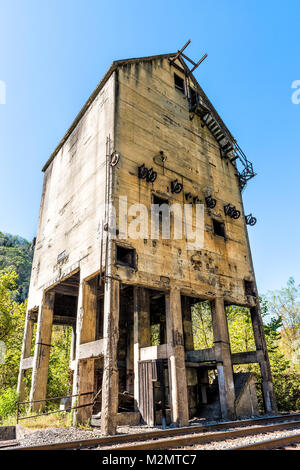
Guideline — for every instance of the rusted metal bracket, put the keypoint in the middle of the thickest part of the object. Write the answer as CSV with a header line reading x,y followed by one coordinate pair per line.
x,y
180,54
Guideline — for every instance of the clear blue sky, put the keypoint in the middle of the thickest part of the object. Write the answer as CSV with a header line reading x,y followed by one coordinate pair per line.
x,y
54,52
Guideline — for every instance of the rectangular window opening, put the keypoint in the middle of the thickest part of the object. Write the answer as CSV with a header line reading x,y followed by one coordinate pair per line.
x,y
126,256
179,83
159,200
249,288
219,228
194,97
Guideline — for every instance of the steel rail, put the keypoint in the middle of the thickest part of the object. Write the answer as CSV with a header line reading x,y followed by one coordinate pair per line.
x,y
270,444
204,438
147,435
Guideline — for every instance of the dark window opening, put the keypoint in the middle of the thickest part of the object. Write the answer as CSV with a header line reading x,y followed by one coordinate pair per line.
x,y
159,200
249,288
194,97
157,318
219,228
179,83
126,256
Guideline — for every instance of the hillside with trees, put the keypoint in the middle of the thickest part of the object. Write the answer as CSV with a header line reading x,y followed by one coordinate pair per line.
x,y
16,255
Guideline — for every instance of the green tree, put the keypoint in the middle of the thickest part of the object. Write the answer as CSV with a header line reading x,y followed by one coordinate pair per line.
x,y
284,305
16,255
12,319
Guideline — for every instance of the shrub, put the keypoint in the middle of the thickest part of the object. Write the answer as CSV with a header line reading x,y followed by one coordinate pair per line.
x,y
8,403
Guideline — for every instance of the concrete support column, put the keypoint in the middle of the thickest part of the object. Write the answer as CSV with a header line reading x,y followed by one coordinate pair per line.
x,y
83,379
203,383
76,373
264,364
177,372
191,373
26,349
42,351
130,360
110,383
187,324
141,332
223,359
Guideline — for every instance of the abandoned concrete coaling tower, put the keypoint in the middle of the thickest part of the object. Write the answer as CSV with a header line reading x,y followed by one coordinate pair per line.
x,y
148,132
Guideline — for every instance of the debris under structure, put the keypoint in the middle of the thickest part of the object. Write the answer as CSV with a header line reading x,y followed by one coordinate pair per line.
x,y
148,135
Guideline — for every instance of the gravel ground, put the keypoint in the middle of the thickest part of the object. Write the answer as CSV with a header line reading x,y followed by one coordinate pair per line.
x,y
53,435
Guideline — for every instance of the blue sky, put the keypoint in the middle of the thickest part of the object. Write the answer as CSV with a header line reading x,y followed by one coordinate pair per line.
x,y
53,53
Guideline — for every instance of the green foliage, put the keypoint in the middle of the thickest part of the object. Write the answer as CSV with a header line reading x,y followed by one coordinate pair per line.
x,y
287,390
276,326
59,380
8,402
16,256
12,319
284,306
202,326
240,329
155,334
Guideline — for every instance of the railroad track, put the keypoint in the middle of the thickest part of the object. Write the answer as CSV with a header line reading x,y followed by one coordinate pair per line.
x,y
178,437
205,437
278,443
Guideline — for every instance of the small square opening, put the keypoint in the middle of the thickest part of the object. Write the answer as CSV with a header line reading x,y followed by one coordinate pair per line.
x,y
194,97
219,228
179,83
126,256
159,200
249,288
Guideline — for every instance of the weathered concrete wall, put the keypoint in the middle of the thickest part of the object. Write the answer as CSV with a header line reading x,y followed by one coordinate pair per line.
x,y
72,199
153,116
246,403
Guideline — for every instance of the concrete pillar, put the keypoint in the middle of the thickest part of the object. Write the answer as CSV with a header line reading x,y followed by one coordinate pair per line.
x,y
223,359
26,350
191,373
73,344
83,379
264,364
177,373
110,382
141,332
187,324
42,352
203,383
76,372
130,360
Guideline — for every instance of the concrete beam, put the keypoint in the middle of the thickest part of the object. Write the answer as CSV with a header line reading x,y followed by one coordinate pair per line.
x,y
202,355
92,349
249,357
27,363
151,353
